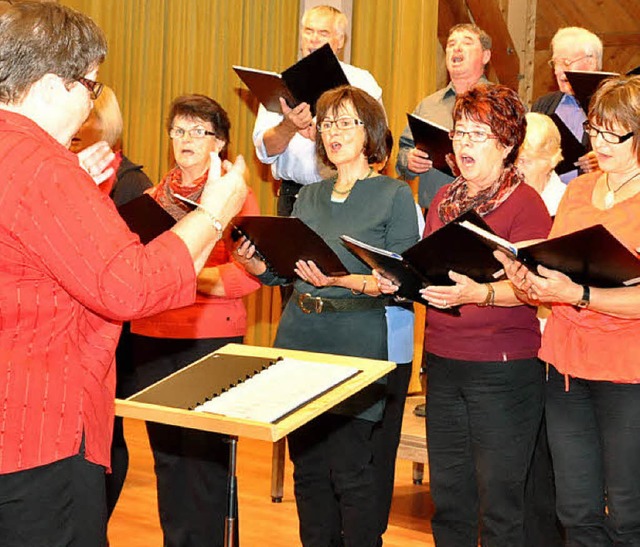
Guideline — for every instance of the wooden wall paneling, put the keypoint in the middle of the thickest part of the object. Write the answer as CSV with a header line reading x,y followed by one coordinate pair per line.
x,y
614,21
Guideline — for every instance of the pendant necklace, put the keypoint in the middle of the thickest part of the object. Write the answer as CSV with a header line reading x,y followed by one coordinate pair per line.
x,y
610,196
348,191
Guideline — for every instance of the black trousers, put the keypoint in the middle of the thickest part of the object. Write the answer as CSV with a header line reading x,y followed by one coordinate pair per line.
x,y
57,505
191,466
483,419
542,527
386,438
335,482
287,195
125,387
594,436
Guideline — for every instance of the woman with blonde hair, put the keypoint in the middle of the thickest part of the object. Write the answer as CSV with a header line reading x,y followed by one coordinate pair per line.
x,y
539,154
105,124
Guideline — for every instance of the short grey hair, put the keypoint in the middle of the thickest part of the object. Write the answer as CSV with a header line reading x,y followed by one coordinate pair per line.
x,y
591,43
340,21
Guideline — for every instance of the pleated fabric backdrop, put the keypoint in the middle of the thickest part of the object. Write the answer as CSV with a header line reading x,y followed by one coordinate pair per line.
x,y
159,49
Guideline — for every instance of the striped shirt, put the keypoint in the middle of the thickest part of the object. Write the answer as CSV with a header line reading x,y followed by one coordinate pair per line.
x,y
70,273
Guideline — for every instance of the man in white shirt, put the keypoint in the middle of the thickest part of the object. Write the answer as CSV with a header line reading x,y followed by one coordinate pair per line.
x,y
287,141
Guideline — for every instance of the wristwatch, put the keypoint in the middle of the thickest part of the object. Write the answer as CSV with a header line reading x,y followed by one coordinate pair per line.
x,y
586,298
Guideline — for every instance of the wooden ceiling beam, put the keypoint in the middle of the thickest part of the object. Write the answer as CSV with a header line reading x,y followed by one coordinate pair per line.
x,y
504,57
450,13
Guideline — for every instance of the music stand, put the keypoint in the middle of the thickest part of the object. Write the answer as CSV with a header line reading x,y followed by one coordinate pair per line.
x,y
170,401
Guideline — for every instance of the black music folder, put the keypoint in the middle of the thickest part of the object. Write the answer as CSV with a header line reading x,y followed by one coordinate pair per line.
x,y
302,82
146,217
282,241
432,139
572,148
584,84
429,261
592,256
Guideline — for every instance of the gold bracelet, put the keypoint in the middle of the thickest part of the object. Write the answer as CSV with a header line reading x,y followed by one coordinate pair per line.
x,y
490,300
364,286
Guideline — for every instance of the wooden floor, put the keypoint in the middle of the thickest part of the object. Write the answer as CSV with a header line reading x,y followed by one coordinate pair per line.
x,y
135,521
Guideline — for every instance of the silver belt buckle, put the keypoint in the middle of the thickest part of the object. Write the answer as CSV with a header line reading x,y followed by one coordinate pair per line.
x,y
316,303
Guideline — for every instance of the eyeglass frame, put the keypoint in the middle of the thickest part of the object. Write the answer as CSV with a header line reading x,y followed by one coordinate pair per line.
x,y
94,88
356,122
486,137
586,125
566,63
190,132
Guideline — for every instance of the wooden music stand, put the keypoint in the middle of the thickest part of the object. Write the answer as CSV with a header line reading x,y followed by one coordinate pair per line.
x,y
169,401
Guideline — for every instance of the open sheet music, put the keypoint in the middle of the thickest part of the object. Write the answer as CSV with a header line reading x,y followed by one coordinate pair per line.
x,y
433,139
429,261
304,81
282,241
278,390
592,256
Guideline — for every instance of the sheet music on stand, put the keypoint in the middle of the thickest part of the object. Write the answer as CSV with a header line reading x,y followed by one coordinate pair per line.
x,y
278,390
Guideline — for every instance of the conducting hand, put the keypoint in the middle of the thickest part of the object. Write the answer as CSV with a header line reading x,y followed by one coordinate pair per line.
x,y
96,160
418,161
224,195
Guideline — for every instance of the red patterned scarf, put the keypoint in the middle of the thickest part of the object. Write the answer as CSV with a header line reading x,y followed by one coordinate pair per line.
x,y
456,198
171,184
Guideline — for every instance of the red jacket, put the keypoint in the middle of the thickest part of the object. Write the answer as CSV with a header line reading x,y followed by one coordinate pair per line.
x,y
70,272
210,316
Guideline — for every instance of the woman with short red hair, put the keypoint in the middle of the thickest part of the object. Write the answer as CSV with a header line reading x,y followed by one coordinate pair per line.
x,y
485,385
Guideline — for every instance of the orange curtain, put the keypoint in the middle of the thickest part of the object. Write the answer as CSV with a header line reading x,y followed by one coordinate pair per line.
x,y
159,49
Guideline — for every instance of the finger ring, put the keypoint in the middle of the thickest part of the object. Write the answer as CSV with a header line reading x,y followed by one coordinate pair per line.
x,y
445,303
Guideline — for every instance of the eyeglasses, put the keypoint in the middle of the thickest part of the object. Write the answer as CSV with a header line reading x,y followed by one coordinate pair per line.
x,y
474,136
342,124
194,133
95,88
607,136
566,63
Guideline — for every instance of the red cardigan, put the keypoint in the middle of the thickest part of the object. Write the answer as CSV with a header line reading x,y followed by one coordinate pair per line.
x,y
70,272
209,316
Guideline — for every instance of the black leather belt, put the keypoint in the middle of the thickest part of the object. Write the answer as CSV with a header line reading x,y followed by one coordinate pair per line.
x,y
315,304
289,188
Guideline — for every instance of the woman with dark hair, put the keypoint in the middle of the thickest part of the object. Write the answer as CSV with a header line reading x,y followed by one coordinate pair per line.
x,y
485,385
336,486
591,338
192,466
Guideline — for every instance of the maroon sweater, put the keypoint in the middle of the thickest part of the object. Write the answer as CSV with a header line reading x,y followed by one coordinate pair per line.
x,y
491,333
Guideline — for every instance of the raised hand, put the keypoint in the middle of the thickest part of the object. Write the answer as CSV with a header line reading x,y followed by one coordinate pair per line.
x,y
96,160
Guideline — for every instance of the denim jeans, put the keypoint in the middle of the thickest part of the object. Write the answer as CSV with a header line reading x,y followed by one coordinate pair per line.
x,y
482,423
594,436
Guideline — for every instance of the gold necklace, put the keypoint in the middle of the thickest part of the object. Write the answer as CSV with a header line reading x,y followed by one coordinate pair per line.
x,y
610,196
348,190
